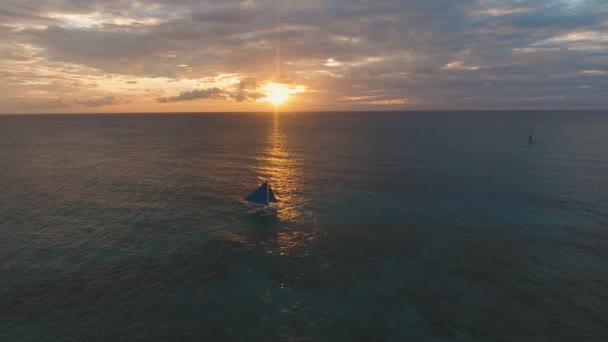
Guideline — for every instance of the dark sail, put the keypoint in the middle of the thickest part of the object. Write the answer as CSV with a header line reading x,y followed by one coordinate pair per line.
x,y
271,197
262,195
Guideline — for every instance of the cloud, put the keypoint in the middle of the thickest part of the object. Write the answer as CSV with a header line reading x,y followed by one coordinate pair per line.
x,y
100,101
246,90
422,54
500,11
211,93
595,72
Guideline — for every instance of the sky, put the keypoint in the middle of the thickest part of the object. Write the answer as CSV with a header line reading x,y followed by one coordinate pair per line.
x,y
64,56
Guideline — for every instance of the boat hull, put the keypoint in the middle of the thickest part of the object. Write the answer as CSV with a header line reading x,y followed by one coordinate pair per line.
x,y
262,211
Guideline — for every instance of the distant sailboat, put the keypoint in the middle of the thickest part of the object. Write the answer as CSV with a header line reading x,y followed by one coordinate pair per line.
x,y
261,198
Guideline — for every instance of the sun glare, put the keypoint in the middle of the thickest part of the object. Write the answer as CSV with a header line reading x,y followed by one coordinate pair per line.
x,y
278,96
278,93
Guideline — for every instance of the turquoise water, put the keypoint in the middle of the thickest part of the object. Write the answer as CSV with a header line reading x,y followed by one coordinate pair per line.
x,y
428,226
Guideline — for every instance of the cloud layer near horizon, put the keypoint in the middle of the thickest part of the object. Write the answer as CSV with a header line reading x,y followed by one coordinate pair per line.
x,y
143,55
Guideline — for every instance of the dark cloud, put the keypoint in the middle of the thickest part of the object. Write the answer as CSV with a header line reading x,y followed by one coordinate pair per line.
x,y
247,90
211,93
247,95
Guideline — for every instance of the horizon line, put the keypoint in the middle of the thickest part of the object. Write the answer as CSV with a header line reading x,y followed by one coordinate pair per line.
x,y
313,111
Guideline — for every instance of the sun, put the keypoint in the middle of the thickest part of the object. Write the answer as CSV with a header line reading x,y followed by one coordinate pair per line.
x,y
278,93
277,96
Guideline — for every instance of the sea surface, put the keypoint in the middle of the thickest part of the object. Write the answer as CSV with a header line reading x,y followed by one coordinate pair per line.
x,y
412,226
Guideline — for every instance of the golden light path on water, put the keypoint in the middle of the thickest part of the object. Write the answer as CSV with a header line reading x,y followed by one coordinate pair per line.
x,y
279,165
288,233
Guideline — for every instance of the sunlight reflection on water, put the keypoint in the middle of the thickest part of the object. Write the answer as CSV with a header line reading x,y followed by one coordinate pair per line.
x,y
281,167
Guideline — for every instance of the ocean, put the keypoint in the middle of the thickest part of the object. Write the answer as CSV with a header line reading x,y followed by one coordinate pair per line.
x,y
392,226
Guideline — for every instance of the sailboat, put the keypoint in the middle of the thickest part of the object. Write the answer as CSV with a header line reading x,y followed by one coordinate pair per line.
x,y
261,199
